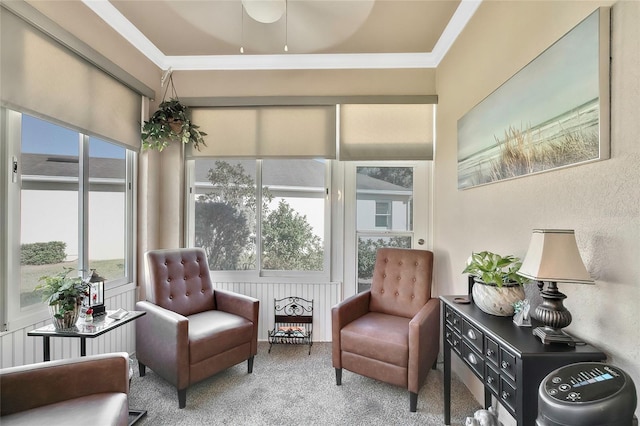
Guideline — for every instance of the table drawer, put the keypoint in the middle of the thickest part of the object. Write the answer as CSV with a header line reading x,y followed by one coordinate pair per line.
x,y
508,395
492,351
453,318
453,339
472,335
492,378
507,363
473,360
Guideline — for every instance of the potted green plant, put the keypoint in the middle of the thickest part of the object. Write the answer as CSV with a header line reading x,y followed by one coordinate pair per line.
x,y
492,268
171,123
497,286
64,295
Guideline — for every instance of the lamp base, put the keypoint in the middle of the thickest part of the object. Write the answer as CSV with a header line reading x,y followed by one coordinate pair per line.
x,y
550,335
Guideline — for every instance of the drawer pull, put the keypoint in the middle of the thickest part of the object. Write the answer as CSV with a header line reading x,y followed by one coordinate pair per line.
x,y
505,364
471,334
490,352
472,359
455,321
505,395
448,335
455,342
490,380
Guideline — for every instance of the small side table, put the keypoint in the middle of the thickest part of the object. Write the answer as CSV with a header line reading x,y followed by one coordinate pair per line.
x,y
100,325
82,330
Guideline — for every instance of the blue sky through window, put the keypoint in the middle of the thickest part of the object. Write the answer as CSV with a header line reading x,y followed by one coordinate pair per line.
x,y
42,137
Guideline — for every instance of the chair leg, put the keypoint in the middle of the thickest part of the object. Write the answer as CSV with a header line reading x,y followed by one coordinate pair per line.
x,y
142,369
338,376
250,364
182,398
413,402
435,365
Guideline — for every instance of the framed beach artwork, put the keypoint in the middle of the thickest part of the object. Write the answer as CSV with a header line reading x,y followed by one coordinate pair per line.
x,y
553,113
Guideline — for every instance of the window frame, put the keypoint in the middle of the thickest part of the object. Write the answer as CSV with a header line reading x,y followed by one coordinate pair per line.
x,y
259,274
14,316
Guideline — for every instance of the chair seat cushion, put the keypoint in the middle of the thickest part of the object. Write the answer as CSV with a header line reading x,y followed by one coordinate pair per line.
x,y
97,409
378,336
214,332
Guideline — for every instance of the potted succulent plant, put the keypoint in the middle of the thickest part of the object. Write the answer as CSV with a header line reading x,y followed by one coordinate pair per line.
x,y
497,285
64,294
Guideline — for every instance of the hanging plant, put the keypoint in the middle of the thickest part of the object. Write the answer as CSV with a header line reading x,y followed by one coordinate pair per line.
x,y
171,123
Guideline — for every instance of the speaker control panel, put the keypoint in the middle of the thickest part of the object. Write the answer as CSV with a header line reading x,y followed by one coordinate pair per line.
x,y
584,382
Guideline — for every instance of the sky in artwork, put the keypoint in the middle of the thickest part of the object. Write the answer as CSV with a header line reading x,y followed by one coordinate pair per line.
x,y
563,77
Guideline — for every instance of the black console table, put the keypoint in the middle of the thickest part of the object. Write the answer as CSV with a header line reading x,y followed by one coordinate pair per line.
x,y
509,360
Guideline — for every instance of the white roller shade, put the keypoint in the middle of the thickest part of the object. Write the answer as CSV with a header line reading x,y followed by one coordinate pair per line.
x,y
40,76
386,132
267,131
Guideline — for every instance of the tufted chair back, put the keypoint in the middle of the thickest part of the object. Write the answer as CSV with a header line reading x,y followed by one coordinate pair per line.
x,y
179,280
401,281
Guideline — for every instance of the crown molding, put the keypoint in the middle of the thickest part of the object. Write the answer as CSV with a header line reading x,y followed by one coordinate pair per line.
x,y
105,10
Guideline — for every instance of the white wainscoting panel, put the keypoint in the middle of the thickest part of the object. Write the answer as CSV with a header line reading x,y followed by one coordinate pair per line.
x,y
16,348
324,295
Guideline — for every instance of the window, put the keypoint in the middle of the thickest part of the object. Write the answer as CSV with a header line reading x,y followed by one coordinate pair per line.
x,y
75,207
383,214
265,216
108,203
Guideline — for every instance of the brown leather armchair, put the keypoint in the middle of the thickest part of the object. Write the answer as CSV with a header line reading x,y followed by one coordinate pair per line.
x,y
391,332
92,389
191,331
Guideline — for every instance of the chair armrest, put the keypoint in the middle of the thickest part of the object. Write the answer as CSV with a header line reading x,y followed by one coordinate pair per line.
x,y
237,304
342,314
162,343
424,343
241,305
30,386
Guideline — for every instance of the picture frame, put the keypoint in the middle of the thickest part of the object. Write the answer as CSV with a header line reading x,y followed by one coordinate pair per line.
x,y
553,113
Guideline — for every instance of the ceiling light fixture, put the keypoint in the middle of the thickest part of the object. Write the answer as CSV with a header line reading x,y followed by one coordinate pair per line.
x,y
265,11
286,26
241,27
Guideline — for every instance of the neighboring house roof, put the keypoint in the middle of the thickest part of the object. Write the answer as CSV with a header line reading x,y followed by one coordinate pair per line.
x,y
303,173
67,166
366,182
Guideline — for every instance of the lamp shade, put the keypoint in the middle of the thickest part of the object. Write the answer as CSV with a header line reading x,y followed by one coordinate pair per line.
x,y
553,256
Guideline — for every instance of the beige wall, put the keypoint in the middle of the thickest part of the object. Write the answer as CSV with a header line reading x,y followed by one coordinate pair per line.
x,y
305,82
601,201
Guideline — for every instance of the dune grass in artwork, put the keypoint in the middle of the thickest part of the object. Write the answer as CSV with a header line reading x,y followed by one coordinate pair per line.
x,y
522,153
551,114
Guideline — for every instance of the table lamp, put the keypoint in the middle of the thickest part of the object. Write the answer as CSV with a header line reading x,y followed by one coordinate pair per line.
x,y
553,257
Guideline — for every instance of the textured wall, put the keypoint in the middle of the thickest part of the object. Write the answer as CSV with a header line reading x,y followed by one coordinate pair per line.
x,y
601,200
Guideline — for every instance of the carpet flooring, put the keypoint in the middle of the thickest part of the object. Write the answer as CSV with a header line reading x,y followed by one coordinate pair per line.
x,y
290,387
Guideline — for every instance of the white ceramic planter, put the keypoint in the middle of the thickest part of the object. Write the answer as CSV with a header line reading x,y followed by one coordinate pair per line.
x,y
497,300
